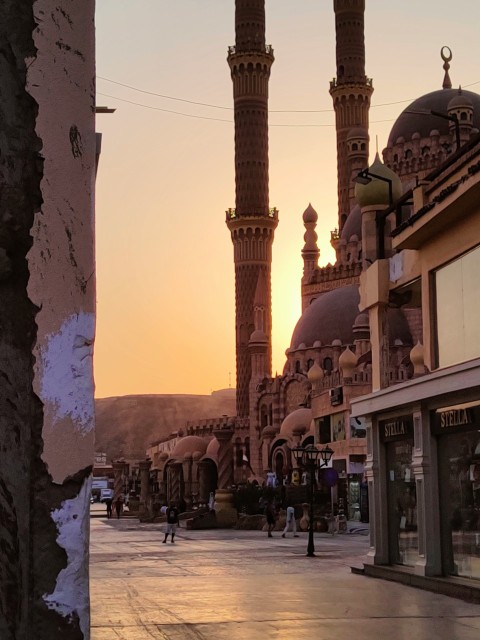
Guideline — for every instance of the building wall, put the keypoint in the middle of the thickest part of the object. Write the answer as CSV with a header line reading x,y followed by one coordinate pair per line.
x,y
48,167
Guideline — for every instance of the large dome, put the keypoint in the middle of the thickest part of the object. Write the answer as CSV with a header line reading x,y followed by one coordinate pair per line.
x,y
332,317
409,123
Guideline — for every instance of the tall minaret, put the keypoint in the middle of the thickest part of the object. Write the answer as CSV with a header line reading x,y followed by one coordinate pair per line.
x,y
351,91
252,223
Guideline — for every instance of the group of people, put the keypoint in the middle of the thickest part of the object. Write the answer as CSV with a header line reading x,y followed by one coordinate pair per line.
x,y
110,504
290,523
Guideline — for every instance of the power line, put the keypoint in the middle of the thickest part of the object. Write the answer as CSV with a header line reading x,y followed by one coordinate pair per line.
x,y
189,115
216,106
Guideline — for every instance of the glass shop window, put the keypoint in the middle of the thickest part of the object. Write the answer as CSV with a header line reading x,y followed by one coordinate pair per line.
x,y
457,289
402,503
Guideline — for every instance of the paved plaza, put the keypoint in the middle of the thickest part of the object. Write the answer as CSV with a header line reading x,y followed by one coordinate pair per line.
x,y
240,585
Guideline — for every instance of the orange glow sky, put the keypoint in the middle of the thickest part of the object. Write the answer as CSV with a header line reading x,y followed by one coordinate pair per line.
x,y
165,273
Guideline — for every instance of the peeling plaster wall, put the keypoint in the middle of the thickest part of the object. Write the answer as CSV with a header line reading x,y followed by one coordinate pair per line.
x,y
47,316
62,277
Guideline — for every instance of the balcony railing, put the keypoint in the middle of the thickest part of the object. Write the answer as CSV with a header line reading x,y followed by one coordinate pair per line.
x,y
268,49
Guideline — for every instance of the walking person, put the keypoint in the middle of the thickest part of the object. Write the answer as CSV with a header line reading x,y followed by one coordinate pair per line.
x,y
108,504
271,517
290,522
172,521
118,506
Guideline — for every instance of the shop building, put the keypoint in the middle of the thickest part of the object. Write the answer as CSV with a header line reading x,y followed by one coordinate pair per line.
x,y
423,434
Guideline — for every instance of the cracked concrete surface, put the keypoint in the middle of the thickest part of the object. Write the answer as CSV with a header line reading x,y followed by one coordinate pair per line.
x,y
240,585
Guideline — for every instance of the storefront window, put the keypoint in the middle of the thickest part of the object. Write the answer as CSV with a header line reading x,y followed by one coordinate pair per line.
x,y
397,435
460,503
402,500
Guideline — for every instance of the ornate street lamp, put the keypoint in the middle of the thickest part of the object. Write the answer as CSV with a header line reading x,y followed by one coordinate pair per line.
x,y
307,457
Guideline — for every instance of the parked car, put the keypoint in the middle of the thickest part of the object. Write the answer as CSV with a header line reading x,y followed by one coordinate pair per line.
x,y
106,494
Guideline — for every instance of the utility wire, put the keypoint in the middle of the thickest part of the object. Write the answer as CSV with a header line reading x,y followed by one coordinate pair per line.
x,y
216,106
189,115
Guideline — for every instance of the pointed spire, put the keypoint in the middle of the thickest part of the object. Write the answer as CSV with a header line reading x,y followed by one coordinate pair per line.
x,y
446,57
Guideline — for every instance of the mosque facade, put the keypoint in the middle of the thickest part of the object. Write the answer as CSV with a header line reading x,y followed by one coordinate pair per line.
x,y
329,361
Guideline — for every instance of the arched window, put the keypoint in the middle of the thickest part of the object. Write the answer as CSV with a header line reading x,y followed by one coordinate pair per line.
x,y
327,365
463,116
309,364
298,367
354,146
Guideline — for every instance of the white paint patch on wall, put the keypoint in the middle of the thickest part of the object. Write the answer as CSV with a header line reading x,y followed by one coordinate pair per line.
x,y
71,594
67,364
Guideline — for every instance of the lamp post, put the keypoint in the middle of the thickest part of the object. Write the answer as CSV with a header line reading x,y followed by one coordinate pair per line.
x,y
365,177
307,457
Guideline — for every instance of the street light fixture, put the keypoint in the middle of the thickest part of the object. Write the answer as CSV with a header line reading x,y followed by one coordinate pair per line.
x,y
307,457
365,176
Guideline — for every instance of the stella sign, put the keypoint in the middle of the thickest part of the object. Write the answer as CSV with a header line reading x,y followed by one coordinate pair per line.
x,y
396,428
456,418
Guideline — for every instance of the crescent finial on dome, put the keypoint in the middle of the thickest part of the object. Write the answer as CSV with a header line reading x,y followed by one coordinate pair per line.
x,y
447,83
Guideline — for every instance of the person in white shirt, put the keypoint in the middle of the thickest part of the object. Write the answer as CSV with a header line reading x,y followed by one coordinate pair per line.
x,y
291,522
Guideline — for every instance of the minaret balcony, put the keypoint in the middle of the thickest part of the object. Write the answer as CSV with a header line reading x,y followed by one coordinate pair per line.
x,y
268,49
231,214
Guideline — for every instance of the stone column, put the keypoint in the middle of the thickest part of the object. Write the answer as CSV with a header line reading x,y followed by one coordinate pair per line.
x,y
226,514
202,482
144,467
187,480
376,472
425,472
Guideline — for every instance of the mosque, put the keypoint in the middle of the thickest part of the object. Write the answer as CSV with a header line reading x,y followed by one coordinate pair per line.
x,y
329,360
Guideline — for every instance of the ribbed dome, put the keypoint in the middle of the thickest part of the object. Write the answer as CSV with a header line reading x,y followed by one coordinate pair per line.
x,y
332,316
377,191
310,215
409,123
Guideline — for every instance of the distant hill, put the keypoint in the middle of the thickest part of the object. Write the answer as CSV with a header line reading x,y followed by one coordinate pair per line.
x,y
126,425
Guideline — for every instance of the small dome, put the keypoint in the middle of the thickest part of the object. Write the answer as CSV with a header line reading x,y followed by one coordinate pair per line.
x,y
299,418
317,344
269,431
461,100
434,133
302,345
417,359
310,215
315,373
362,320
337,342
376,192
212,449
347,362
189,444
416,136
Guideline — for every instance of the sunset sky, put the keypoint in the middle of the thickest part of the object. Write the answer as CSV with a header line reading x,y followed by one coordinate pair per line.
x,y
165,274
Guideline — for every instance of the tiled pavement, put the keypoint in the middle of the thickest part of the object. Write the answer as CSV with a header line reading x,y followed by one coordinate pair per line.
x,y
240,585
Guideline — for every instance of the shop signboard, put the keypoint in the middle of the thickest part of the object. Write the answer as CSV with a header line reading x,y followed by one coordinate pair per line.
x,y
456,418
398,428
